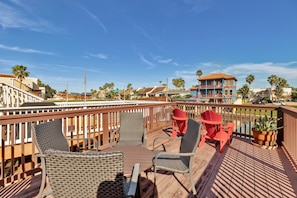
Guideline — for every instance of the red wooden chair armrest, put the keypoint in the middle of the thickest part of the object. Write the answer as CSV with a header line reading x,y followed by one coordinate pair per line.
x,y
210,122
179,118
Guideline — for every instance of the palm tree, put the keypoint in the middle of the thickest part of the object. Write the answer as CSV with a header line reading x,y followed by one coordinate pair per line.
x,y
179,83
282,82
199,73
278,92
94,93
20,72
272,81
250,79
129,88
244,91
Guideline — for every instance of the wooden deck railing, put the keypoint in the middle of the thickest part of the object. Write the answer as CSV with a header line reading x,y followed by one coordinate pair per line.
x,y
17,148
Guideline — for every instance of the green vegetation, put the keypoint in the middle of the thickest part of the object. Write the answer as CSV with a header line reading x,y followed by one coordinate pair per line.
x,y
179,83
266,124
20,72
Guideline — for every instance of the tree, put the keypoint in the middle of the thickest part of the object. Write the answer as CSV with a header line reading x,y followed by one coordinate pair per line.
x,y
20,72
244,91
294,96
179,83
94,93
272,81
199,73
278,92
160,83
108,88
280,84
39,83
129,89
250,79
49,92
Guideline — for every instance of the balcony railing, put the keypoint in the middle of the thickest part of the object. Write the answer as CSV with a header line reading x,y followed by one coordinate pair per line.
x,y
18,148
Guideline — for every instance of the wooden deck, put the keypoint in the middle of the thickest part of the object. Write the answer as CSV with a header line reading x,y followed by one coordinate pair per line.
x,y
242,170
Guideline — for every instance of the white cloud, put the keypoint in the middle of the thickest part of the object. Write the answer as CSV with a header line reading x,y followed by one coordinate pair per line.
x,y
99,56
19,17
165,61
150,64
264,69
198,6
147,35
175,63
209,64
25,50
160,59
261,71
95,18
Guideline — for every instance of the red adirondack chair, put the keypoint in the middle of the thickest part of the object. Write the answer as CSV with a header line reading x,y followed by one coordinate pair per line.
x,y
179,122
213,129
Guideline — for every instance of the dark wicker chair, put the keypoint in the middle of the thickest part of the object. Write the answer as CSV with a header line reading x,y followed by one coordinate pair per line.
x,y
131,131
49,135
180,162
89,174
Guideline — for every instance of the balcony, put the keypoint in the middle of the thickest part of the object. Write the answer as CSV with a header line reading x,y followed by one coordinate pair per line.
x,y
242,170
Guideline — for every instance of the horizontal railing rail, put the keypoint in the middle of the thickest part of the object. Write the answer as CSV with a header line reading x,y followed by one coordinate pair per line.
x,y
18,156
242,116
17,147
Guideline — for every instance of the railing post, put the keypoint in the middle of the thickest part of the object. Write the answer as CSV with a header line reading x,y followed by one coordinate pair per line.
x,y
105,129
151,118
280,123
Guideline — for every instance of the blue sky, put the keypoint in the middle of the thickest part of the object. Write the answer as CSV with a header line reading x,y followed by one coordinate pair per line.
x,y
145,42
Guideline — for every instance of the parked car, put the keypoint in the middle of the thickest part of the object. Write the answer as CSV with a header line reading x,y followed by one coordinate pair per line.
x,y
259,101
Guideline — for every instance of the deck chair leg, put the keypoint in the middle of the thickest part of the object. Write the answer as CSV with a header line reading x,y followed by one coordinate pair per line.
x,y
192,183
222,144
154,190
42,192
43,178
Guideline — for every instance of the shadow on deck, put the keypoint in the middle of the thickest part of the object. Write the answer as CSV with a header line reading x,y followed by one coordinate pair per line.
x,y
242,170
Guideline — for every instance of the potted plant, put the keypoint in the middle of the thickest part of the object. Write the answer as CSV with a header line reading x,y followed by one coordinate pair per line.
x,y
265,131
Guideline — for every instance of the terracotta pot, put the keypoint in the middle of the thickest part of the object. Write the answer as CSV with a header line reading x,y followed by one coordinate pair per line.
x,y
265,138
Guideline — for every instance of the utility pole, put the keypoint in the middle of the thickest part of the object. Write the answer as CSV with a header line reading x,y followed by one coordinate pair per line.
x,y
67,93
124,93
167,90
85,83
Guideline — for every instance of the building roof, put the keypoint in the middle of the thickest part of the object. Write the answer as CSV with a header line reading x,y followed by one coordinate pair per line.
x,y
194,88
217,76
158,89
7,75
145,90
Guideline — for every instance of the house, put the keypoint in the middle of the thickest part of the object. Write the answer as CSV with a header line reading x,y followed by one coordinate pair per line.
x,y
144,92
152,93
73,96
28,84
217,88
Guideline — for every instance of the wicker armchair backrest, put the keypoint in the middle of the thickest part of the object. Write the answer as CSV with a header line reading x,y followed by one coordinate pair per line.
x,y
91,174
49,135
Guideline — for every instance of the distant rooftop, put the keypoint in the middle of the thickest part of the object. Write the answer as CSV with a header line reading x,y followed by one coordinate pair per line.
x,y
217,76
